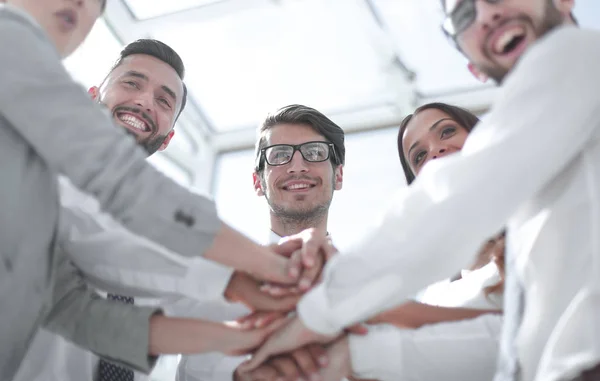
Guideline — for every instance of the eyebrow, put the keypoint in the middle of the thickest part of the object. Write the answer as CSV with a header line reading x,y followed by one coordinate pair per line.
x,y
433,127
166,89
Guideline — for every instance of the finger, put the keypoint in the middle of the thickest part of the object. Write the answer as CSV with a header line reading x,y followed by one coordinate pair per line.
x,y
273,268
259,319
279,291
305,363
286,367
313,241
358,329
264,373
311,274
295,264
286,246
319,354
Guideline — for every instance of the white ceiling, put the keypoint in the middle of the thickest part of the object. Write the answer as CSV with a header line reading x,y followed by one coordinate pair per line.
x,y
365,63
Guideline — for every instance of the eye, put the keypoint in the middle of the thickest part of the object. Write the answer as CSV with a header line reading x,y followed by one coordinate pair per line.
x,y
131,84
447,132
164,101
419,157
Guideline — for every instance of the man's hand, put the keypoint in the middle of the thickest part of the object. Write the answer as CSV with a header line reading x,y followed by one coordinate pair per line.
x,y
308,253
242,288
290,337
304,363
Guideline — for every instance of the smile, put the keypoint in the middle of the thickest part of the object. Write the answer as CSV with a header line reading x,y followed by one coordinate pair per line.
x,y
133,122
298,186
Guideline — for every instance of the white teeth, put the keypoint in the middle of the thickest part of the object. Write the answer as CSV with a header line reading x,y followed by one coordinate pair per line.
x,y
298,186
133,122
506,38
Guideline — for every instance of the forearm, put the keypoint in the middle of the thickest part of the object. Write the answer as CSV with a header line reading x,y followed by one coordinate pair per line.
x,y
170,335
414,315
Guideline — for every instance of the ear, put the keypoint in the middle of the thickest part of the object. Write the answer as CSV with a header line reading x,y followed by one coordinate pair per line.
x,y
167,140
565,7
257,185
478,74
94,92
339,177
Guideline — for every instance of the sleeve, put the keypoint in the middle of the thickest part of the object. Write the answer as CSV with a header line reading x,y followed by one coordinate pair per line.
x,y
115,260
116,331
456,351
211,366
72,134
546,113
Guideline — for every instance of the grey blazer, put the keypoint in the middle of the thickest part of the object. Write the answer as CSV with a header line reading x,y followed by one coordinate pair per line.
x,y
48,126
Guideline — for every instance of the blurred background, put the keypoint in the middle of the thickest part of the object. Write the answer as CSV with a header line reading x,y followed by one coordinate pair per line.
x,y
363,63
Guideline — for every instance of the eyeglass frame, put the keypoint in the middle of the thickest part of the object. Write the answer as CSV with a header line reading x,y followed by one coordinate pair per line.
x,y
296,147
448,17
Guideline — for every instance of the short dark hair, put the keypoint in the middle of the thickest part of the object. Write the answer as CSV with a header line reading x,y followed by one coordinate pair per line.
x,y
464,118
299,114
161,51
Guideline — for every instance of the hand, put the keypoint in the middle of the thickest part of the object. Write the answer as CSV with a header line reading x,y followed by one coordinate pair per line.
x,y
308,251
303,363
260,319
290,337
244,289
339,366
238,341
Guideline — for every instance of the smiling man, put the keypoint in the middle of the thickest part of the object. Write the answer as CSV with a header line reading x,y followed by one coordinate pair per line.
x,y
148,115
300,154
533,165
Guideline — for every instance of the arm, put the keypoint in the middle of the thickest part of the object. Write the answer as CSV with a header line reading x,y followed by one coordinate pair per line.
x,y
112,330
511,155
132,335
75,137
415,315
115,260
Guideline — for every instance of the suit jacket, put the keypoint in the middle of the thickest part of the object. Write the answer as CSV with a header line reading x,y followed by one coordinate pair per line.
x,y
48,126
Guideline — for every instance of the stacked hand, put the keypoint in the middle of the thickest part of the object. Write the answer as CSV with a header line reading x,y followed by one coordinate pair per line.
x,y
284,355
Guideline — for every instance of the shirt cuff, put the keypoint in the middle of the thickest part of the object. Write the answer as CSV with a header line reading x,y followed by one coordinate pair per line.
x,y
376,354
312,310
206,280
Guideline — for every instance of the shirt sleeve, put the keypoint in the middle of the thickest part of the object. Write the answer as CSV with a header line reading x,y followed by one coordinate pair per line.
x,y
75,137
548,110
116,260
208,367
116,331
456,351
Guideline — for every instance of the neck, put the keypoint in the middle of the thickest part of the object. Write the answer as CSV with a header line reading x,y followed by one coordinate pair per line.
x,y
284,227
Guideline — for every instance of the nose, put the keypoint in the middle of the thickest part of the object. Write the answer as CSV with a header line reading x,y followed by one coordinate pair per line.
x,y
488,14
77,3
144,100
297,164
440,152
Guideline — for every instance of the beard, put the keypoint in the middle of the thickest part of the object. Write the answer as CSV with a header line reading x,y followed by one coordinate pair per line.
x,y
301,216
552,18
151,144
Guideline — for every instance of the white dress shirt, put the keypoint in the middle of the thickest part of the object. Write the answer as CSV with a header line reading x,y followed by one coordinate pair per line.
x,y
115,260
452,351
534,165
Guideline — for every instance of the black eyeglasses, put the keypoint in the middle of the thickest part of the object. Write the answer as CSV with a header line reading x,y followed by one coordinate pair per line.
x,y
461,17
280,154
